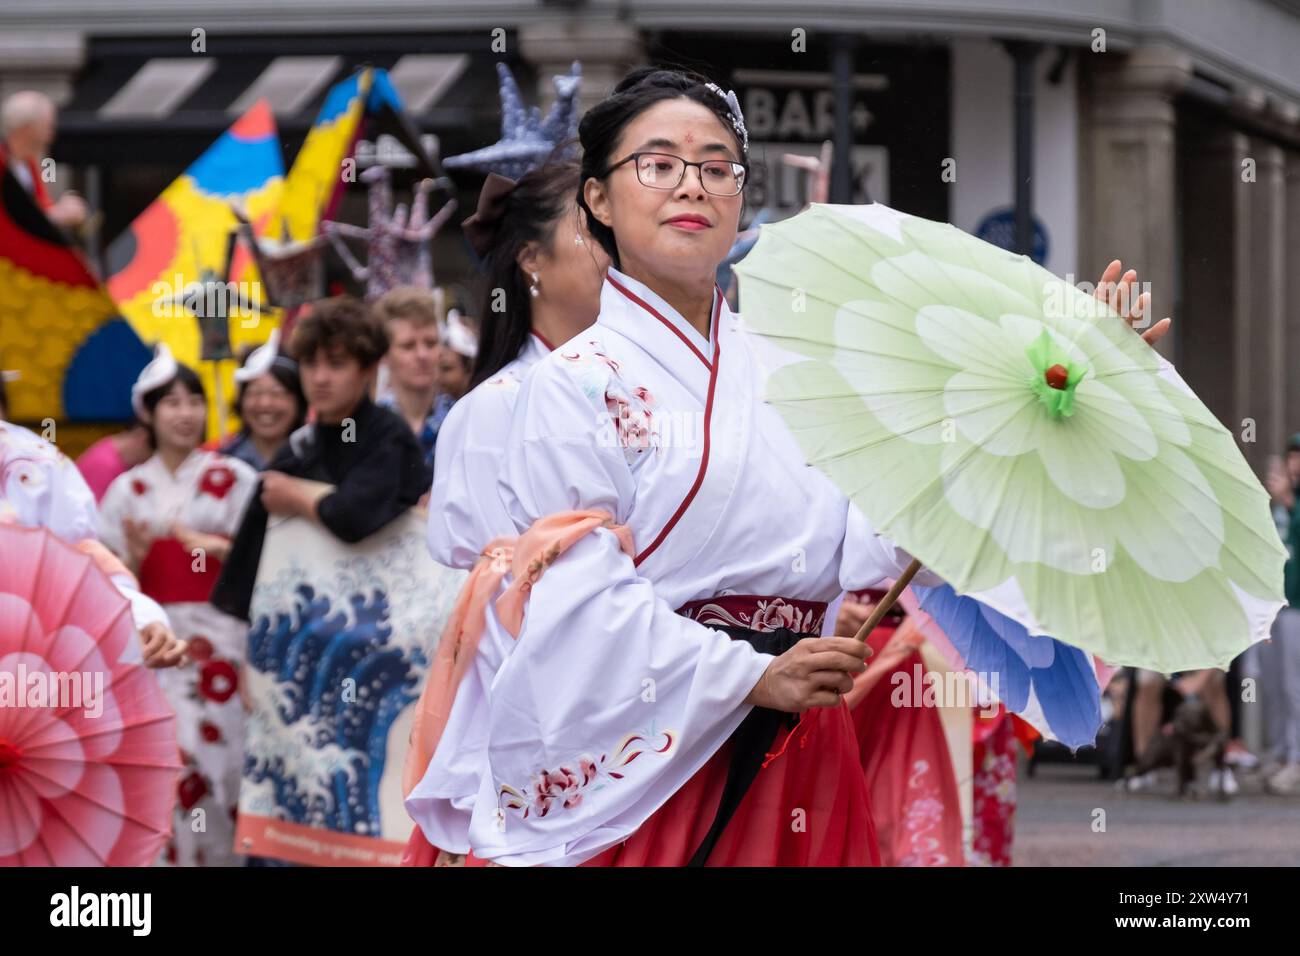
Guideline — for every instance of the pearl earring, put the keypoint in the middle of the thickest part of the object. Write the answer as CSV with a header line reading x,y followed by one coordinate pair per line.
x,y
534,290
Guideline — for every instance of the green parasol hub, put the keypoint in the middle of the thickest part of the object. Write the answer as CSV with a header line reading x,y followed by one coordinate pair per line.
x,y
1055,375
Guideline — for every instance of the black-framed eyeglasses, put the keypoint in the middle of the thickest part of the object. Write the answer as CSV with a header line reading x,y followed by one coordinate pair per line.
x,y
721,177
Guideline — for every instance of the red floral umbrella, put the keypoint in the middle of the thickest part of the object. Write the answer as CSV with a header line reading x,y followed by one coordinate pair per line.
x,y
88,755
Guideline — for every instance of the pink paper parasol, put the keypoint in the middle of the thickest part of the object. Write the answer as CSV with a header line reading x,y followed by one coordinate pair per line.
x,y
88,754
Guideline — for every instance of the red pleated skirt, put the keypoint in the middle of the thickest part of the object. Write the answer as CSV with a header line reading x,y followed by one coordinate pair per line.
x,y
908,769
808,807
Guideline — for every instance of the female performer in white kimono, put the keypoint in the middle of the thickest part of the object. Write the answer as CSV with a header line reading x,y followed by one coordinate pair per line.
x,y
41,488
534,246
171,519
641,716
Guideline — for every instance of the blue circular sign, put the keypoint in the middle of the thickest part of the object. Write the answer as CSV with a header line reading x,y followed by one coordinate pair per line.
x,y
999,228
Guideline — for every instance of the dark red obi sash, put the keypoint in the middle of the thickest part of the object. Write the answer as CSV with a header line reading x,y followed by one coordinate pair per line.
x,y
771,625
757,613
167,574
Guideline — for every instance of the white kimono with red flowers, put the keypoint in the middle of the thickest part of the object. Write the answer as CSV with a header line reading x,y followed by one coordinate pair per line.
x,y
207,494
609,700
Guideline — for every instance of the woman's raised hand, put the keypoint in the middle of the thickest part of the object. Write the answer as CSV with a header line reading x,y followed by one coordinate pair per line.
x,y
1118,292
813,673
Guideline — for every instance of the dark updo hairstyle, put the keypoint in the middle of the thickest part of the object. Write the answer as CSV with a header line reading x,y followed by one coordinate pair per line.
x,y
532,213
188,380
603,124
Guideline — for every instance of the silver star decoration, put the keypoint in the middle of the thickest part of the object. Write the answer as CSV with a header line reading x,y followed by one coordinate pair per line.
x,y
526,139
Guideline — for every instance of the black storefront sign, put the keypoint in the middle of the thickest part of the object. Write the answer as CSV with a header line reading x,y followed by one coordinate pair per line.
x,y
900,110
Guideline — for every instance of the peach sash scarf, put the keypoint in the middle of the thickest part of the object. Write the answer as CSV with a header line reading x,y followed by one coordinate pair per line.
x,y
526,558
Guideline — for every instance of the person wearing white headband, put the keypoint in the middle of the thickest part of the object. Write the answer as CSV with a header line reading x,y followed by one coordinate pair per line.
x,y
269,402
161,369
456,364
171,519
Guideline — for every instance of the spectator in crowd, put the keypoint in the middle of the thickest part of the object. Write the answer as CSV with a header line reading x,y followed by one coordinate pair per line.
x,y
27,124
1152,703
1279,659
170,520
410,318
366,452
456,364
269,402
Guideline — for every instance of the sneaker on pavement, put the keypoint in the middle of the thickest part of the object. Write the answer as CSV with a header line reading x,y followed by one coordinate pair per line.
x,y
1145,781
1236,755
1227,785
1286,780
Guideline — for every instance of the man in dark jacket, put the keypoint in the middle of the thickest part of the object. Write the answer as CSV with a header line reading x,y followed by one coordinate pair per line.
x,y
366,452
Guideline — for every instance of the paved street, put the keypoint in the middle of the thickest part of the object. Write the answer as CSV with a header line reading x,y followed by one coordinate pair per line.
x,y
1056,810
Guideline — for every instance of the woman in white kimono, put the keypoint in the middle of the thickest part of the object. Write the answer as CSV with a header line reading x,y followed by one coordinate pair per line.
x,y
642,716
171,519
535,246
41,488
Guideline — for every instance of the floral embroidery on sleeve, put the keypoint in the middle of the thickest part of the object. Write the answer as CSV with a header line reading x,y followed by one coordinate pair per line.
x,y
631,409
567,785
632,413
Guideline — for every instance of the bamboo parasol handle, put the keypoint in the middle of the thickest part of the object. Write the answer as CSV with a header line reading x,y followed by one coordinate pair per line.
x,y
888,601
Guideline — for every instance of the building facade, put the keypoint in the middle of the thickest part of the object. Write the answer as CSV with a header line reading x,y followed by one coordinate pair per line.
x,y
1162,132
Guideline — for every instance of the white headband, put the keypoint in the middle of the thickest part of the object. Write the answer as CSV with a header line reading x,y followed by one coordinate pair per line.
x,y
460,336
260,360
737,118
160,370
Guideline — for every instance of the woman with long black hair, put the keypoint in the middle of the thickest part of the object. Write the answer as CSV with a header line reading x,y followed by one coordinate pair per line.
x,y
541,287
675,555
542,274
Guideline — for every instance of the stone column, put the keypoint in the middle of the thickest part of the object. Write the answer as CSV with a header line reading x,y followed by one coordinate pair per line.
x,y
1263,303
1291,268
1127,174
1210,193
607,49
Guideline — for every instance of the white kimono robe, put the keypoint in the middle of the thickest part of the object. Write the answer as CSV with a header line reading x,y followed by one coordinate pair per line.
x,y
41,488
642,417
465,511
465,514
208,493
